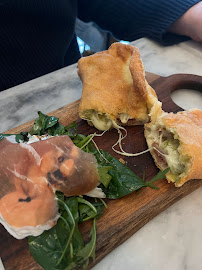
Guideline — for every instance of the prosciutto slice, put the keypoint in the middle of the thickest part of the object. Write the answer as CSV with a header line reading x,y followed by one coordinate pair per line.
x,y
31,173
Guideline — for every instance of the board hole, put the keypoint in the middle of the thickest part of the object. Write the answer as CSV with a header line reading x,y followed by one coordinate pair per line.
x,y
187,98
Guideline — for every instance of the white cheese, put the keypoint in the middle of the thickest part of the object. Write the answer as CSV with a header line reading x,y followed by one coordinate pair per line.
x,y
36,138
100,122
96,193
124,117
23,232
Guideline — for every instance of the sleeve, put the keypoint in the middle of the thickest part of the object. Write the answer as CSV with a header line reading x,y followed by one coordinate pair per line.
x,y
133,19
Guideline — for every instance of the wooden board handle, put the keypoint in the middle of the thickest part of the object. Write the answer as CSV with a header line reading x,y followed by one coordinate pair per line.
x,y
164,86
181,81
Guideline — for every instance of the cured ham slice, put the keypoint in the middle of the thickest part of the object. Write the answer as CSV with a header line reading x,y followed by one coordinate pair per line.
x,y
66,167
27,204
29,176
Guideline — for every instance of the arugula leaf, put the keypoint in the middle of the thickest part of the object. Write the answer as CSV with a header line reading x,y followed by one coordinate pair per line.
x,y
86,212
45,124
42,123
62,247
104,175
87,252
123,180
160,175
48,247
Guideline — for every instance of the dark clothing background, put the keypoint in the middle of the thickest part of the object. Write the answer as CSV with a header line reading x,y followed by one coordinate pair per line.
x,y
38,37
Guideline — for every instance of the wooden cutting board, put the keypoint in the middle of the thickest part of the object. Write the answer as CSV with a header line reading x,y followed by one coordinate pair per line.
x,y
127,215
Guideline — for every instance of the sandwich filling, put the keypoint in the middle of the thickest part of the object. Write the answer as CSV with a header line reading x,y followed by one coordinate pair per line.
x,y
103,121
99,120
166,150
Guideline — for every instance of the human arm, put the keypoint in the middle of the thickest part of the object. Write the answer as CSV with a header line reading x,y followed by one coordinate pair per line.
x,y
190,23
130,20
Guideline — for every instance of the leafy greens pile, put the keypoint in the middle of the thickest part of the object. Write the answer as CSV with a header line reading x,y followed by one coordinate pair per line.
x,y
62,247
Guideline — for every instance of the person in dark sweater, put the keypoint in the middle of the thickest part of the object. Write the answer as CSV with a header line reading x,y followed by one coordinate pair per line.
x,y
38,37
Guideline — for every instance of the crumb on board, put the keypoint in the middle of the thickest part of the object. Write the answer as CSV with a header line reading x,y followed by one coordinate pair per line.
x,y
122,161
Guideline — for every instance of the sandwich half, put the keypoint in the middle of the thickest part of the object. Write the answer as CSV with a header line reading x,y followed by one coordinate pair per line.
x,y
111,92
175,141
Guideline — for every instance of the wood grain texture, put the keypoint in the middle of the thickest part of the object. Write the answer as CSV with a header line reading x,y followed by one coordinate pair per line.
x,y
127,215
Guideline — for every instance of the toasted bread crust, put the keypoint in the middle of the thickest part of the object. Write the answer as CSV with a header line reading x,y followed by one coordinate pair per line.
x,y
187,125
139,80
108,86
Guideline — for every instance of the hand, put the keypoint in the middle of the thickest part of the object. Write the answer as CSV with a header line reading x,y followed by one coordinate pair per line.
x,y
189,24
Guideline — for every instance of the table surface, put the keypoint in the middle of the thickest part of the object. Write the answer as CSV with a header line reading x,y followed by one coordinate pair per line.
x,y
172,240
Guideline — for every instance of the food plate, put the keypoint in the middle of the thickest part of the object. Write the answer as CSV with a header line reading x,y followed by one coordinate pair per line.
x,y
127,215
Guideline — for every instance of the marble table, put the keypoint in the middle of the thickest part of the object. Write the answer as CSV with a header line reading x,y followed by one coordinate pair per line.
x,y
172,240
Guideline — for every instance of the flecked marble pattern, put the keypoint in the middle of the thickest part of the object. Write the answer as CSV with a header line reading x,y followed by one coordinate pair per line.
x,y
172,240
47,93
180,58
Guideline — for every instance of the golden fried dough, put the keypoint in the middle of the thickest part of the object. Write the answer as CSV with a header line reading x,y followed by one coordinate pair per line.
x,y
175,141
111,94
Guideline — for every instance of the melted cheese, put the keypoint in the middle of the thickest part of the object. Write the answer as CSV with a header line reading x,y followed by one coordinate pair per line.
x,y
170,146
124,117
100,121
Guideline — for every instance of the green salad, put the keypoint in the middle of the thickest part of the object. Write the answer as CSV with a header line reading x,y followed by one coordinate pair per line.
x,y
63,247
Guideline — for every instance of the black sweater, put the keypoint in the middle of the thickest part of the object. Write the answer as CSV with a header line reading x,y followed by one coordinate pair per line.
x,y
37,36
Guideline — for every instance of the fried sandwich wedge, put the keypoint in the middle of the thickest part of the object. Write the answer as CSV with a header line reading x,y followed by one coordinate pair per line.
x,y
112,88
175,141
